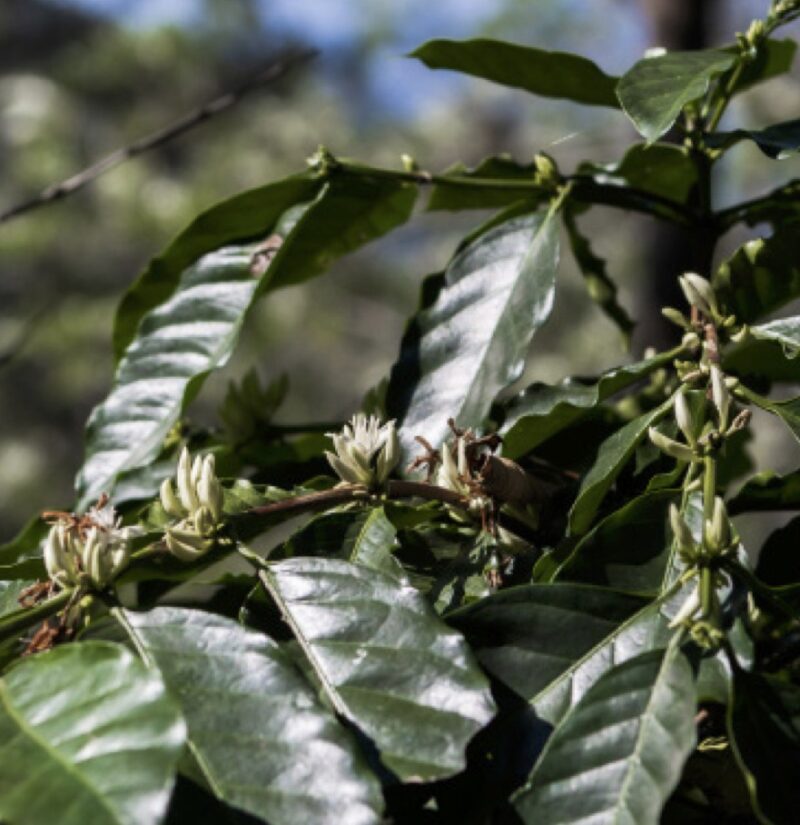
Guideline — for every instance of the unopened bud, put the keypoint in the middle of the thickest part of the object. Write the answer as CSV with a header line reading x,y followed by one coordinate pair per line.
x,y
720,395
209,490
186,487
675,316
699,293
718,529
670,447
683,417
681,531
169,501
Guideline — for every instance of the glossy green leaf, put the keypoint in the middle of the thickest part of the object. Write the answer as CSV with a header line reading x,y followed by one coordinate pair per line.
x,y
10,592
602,290
660,169
767,491
774,58
541,410
177,325
760,276
614,453
528,636
260,738
785,331
628,549
364,537
549,74
760,362
87,734
778,141
787,410
764,725
472,342
499,168
619,753
385,662
655,90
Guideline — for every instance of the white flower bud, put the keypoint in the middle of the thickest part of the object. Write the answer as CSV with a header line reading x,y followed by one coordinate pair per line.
x,y
186,545
675,316
699,293
59,560
209,490
365,452
92,557
448,474
670,447
718,529
720,395
169,501
186,487
688,610
683,417
683,535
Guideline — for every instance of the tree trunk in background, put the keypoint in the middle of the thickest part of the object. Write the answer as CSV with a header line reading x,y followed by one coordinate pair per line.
x,y
671,250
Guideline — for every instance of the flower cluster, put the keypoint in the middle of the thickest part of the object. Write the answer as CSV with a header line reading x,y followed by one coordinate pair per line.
x,y
90,549
366,451
197,506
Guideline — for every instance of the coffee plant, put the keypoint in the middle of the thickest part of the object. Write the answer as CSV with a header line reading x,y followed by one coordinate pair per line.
x,y
481,604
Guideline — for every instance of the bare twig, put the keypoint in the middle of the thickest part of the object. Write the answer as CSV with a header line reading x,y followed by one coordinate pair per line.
x,y
274,71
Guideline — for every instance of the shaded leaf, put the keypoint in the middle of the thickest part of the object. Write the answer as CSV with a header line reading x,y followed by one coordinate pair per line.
x,y
619,753
472,341
542,409
658,168
764,726
760,362
779,559
778,141
655,90
601,289
760,276
628,549
21,558
177,325
767,491
385,662
87,734
256,730
787,410
528,636
549,74
364,537
9,595
495,168
613,455
774,58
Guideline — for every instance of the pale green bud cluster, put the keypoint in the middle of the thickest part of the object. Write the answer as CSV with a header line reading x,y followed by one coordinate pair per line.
x,y
454,473
718,538
197,506
366,451
91,549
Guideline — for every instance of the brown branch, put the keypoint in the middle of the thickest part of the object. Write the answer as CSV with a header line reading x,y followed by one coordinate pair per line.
x,y
55,192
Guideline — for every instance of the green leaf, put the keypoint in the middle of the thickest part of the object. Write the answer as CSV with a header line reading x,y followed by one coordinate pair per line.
x,y
767,491
760,362
21,558
247,216
541,410
628,549
761,276
785,331
660,169
764,726
10,592
619,753
779,141
774,58
549,74
500,168
261,739
385,662
528,636
602,290
787,410
87,734
655,90
613,455
180,324
364,537
472,342
779,559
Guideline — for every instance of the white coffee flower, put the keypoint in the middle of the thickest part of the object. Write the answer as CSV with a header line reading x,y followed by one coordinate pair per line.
x,y
92,548
366,451
198,506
